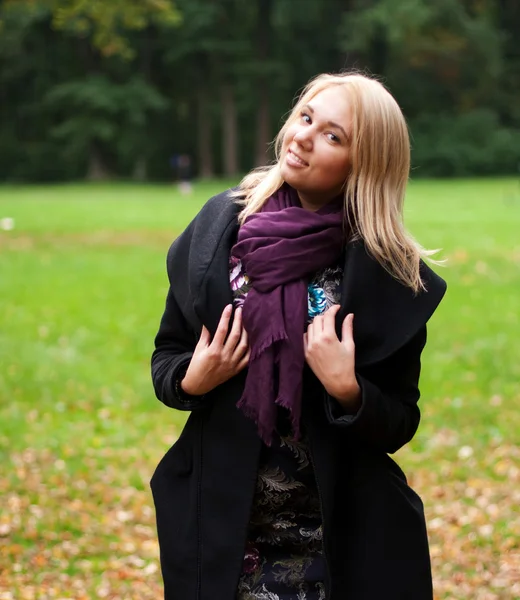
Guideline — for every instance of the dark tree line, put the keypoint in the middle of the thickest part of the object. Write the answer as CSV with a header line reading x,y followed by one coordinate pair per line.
x,y
115,89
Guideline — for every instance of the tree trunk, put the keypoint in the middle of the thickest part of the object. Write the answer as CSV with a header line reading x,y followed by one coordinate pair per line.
x,y
90,61
140,158
140,172
229,130
509,22
263,121
205,154
379,51
97,170
263,127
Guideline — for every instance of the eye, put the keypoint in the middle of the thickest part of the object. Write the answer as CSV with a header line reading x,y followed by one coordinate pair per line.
x,y
305,117
333,138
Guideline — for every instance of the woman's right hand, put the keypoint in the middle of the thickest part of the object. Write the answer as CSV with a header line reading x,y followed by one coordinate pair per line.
x,y
215,361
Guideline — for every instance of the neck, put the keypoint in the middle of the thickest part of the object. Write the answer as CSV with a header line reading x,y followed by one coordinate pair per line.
x,y
314,203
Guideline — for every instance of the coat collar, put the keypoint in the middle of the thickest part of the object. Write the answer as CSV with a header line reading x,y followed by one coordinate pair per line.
x,y
386,313
213,238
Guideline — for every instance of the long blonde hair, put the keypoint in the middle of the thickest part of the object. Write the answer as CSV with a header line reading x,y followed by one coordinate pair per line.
x,y
376,183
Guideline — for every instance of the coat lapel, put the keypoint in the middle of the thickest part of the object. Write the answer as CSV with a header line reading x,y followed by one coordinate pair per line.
x,y
386,313
218,233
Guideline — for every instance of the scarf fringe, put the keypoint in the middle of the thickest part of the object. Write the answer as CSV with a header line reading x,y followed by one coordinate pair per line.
x,y
250,412
293,416
265,432
278,336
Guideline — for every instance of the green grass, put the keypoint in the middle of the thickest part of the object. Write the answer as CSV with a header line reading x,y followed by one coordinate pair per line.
x,y
82,288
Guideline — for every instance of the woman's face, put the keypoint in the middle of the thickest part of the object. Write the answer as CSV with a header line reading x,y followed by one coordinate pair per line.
x,y
315,156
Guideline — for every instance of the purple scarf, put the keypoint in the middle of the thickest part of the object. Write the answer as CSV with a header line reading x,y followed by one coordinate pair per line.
x,y
280,248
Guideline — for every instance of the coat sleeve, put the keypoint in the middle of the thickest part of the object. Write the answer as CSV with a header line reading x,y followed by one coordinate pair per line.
x,y
174,346
389,415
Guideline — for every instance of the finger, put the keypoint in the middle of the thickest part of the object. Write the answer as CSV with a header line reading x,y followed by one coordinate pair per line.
x,y
244,338
347,328
244,361
242,347
223,326
205,336
236,329
318,324
310,333
329,319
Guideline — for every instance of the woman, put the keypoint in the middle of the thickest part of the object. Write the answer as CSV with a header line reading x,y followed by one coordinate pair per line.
x,y
280,485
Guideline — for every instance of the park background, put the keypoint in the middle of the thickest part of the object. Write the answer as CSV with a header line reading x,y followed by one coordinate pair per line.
x,y
98,101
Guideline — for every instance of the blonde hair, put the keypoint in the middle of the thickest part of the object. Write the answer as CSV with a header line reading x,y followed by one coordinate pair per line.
x,y
376,183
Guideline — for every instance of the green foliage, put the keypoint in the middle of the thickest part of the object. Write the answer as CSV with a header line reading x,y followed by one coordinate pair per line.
x,y
126,84
92,105
97,110
437,55
106,23
475,142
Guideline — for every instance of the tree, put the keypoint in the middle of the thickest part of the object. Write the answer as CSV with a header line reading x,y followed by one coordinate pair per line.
x,y
508,22
264,35
95,88
94,113
431,54
107,24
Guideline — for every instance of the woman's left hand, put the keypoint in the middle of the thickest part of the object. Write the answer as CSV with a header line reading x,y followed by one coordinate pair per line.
x,y
333,360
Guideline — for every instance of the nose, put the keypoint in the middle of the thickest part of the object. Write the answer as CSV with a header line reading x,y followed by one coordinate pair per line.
x,y
303,138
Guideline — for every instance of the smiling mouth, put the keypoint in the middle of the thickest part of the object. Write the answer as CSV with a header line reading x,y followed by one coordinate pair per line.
x,y
297,159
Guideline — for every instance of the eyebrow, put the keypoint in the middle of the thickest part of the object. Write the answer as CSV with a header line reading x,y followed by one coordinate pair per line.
x,y
329,123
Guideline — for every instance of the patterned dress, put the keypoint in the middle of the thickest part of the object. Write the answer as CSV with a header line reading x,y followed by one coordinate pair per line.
x,y
284,556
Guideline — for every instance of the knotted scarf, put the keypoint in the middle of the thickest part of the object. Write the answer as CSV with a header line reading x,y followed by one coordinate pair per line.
x,y
280,248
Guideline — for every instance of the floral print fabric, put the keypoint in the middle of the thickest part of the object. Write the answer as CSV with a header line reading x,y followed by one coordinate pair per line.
x,y
324,291
240,284
284,557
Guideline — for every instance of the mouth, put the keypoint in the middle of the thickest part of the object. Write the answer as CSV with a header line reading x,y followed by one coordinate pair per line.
x,y
297,159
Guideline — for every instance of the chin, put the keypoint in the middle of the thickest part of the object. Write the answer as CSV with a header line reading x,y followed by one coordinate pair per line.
x,y
290,177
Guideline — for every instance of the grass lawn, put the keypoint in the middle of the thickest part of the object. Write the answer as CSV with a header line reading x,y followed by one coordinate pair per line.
x,y
82,288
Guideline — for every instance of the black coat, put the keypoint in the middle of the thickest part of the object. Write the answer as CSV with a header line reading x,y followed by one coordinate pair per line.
x,y
374,528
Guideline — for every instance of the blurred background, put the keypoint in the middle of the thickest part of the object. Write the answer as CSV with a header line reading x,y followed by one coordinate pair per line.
x,y
117,89
118,121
